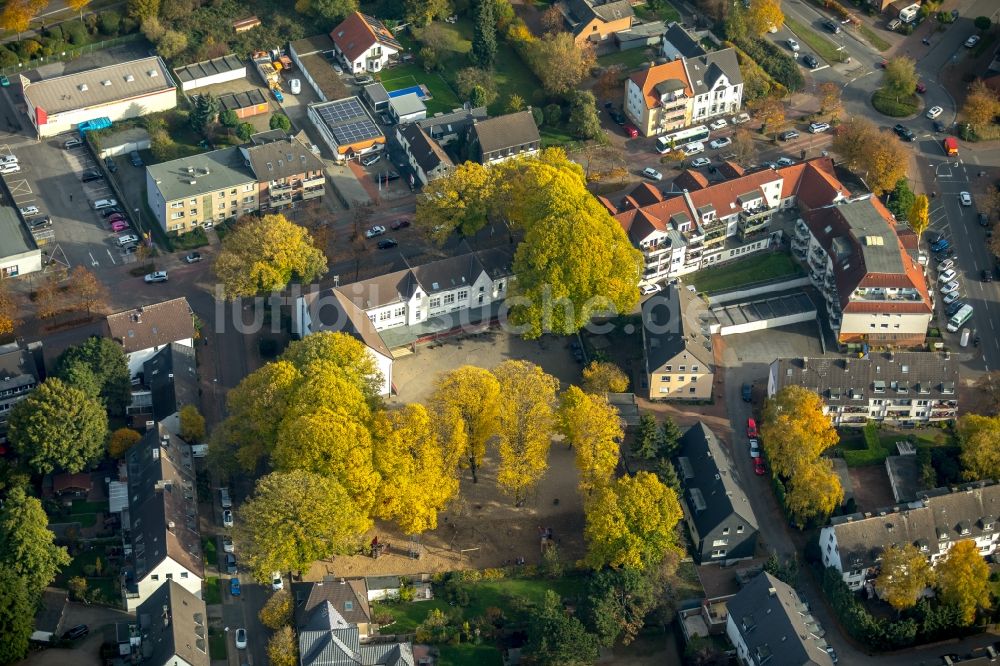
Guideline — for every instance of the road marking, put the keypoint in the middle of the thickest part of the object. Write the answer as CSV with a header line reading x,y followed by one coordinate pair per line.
x,y
93,262
111,257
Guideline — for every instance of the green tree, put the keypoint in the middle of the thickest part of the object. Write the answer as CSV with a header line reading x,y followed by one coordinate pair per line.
x,y
466,404
106,360
648,440
905,574
592,426
900,201
265,254
295,518
526,419
964,580
192,424
484,37
670,436
27,547
618,601
141,10
58,427
558,639
280,121
630,523
228,118
172,44
422,12
900,78
333,10
982,23
205,111
583,119
735,25
245,131
558,62
604,377
17,615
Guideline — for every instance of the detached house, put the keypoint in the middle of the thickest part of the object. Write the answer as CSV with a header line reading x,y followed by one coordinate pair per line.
x,y
935,522
865,267
363,43
145,330
897,388
686,91
504,137
348,598
160,535
723,525
327,638
593,21
770,624
678,367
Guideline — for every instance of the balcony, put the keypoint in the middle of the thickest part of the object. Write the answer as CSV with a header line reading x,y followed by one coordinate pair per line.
x,y
801,230
276,189
817,265
312,193
315,181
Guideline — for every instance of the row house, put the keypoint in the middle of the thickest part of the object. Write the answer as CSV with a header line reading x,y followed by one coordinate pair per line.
x,y
159,518
936,521
895,388
686,91
866,267
401,307
697,224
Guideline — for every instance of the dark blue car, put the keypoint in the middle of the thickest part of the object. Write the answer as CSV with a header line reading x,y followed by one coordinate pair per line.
x,y
941,245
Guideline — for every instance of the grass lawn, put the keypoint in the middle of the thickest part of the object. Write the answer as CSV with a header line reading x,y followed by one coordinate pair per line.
x,y
81,507
512,76
213,595
443,98
467,654
817,42
744,272
665,13
632,59
209,547
107,587
872,37
887,104
408,615
76,566
556,136
688,583
217,646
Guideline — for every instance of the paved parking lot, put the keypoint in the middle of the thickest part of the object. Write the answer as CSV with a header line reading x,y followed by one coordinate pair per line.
x,y
50,179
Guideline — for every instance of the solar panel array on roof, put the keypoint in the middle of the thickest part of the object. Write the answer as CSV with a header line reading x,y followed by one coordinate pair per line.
x,y
348,121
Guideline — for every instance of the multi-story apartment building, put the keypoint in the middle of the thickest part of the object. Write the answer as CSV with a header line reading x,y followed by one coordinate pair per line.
x,y
935,522
876,292
686,91
897,388
698,224
18,378
272,172
287,171
160,534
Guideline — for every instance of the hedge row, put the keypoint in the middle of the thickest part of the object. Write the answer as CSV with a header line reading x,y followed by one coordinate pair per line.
x,y
67,36
772,60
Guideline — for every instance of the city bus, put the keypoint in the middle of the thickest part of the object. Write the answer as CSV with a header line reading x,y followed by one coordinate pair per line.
x,y
682,137
962,316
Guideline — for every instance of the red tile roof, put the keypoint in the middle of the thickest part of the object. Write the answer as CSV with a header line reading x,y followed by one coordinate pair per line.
x,y
359,32
690,180
888,307
648,79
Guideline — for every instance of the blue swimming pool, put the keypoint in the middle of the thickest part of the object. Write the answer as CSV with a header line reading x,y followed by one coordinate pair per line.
x,y
417,90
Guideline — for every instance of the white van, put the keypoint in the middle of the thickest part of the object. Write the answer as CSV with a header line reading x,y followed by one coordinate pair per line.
x,y
694,148
104,203
8,159
962,316
127,239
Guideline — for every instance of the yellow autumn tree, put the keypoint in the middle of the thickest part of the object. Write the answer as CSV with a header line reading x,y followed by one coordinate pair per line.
x,y
282,648
593,428
905,574
886,163
771,112
855,136
277,610
604,377
762,15
526,422
465,404
192,424
919,215
963,580
459,202
121,441
982,104
78,5
8,310
16,15
256,407
814,491
631,523
980,439
265,254
794,429
410,458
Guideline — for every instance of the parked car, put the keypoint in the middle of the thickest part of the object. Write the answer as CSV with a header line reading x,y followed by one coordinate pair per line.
x,y
101,204
818,128
832,26
792,44
4,81
135,158
387,243
785,161
117,217
119,226
984,220
399,224
75,142
278,95
904,132
12,167
693,148
717,124
28,211
985,275
91,175
110,164
747,392
652,174
953,307
789,135
754,448
127,239
363,79
227,518
952,297
371,159
8,159
946,264
234,586
377,230
77,632
934,112
241,639
947,276
295,86
758,466
617,116
939,126
941,245
276,582
630,131
40,222
699,162
751,428
971,41
894,23
648,289
230,564
740,119
810,61
227,545
192,258
951,287
965,198
158,276
114,210
721,142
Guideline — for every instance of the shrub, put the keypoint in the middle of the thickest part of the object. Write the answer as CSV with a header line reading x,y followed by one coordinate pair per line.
x,y
774,61
109,22
75,33
244,131
887,104
553,115
7,57
280,121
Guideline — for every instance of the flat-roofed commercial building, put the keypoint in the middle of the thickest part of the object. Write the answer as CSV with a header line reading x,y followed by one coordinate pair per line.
x,y
120,91
19,254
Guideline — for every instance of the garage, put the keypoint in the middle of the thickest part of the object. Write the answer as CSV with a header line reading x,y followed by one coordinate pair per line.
x,y
208,72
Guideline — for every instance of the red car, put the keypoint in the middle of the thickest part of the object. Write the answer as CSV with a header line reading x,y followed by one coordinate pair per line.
x,y
399,224
117,217
758,467
631,131
751,428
